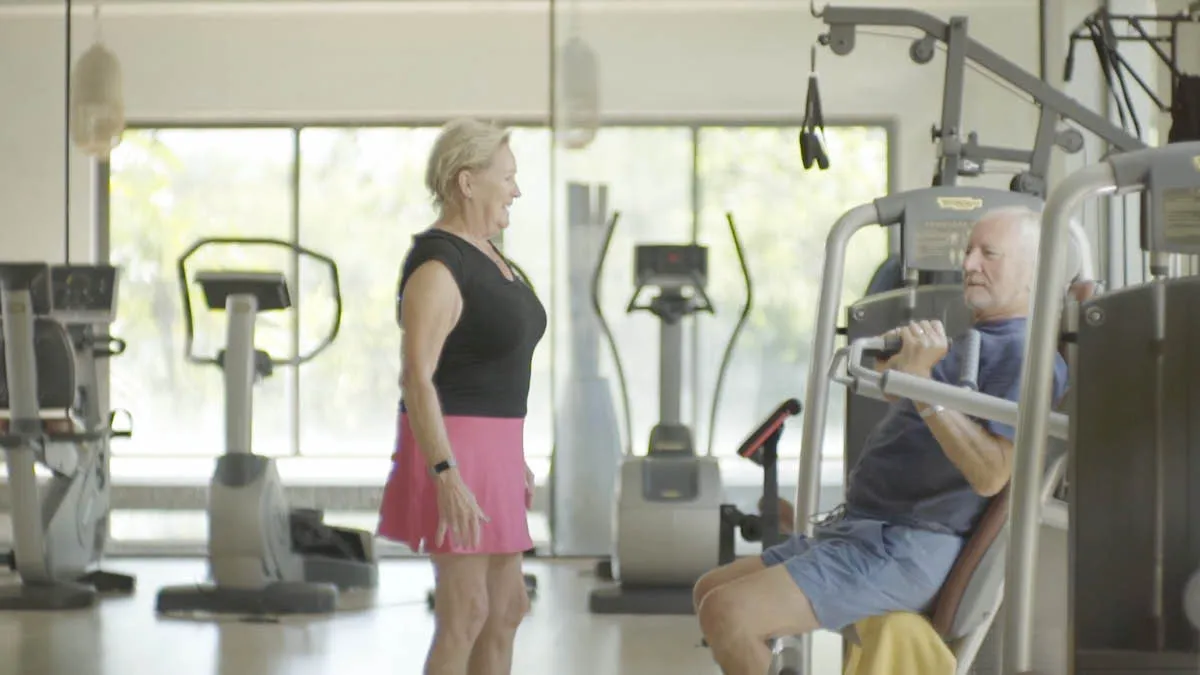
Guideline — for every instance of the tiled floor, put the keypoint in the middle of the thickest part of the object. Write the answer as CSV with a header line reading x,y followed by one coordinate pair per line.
x,y
384,633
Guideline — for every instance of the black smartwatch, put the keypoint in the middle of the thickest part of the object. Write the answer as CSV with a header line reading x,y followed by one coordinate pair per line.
x,y
442,467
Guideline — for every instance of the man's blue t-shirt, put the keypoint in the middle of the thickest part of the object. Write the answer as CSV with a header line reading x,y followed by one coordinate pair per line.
x,y
903,476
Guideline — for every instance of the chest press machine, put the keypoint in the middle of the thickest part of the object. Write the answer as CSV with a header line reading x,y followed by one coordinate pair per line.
x,y
264,556
1134,596
934,224
51,408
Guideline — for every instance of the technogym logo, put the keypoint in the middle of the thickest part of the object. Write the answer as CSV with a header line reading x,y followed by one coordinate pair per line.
x,y
961,203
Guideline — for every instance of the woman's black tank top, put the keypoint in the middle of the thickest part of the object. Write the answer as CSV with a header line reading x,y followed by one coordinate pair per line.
x,y
486,361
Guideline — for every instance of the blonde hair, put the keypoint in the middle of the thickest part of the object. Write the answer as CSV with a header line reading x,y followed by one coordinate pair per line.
x,y
463,144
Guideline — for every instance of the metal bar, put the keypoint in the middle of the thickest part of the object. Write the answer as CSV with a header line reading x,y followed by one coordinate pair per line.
x,y
1039,162
1169,60
29,540
978,152
293,392
1035,405
808,488
847,18
956,67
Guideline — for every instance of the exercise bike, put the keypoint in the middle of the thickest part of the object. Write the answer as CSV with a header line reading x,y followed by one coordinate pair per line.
x,y
668,501
264,556
51,416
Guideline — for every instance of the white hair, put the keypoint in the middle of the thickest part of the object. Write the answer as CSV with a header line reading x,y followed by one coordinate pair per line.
x,y
1028,220
464,144
1030,223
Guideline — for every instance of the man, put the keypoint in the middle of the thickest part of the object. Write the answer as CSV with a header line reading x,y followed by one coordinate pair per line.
x,y
924,477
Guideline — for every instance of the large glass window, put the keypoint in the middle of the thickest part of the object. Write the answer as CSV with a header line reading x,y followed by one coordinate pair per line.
x,y
362,198
168,189
648,173
358,196
783,214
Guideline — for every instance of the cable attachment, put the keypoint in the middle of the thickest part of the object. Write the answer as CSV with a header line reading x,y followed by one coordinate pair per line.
x,y
812,141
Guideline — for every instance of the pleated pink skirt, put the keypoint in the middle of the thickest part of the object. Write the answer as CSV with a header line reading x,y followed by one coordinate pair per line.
x,y
490,452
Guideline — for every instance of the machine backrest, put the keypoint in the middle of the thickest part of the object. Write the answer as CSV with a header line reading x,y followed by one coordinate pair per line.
x,y
977,577
55,356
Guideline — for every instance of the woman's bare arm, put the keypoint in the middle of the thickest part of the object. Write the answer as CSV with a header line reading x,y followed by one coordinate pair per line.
x,y
429,309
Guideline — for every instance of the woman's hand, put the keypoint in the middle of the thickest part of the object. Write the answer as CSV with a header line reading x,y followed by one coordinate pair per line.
x,y
458,512
530,486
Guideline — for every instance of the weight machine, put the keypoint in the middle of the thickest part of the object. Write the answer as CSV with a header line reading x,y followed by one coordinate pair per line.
x,y
264,556
51,408
1134,596
935,224
958,157
667,510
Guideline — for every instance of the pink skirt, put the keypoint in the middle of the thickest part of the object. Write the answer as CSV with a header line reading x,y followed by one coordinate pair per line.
x,y
490,452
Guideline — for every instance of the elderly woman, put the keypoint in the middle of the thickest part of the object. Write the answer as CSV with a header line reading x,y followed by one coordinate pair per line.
x,y
459,487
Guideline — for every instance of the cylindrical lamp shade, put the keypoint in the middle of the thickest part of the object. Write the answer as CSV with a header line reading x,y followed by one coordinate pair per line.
x,y
97,103
581,101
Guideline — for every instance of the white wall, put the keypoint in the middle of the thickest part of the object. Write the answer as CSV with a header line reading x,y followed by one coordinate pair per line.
x,y
278,61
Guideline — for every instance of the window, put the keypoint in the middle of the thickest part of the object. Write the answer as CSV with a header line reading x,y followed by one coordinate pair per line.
x,y
783,214
357,195
169,188
362,198
648,172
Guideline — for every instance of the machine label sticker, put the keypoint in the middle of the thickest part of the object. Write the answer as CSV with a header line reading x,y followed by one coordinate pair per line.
x,y
959,203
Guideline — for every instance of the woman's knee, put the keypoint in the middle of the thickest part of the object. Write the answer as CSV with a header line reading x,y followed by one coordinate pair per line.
x,y
461,597
508,602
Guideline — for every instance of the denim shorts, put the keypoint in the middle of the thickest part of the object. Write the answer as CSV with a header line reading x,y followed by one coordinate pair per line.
x,y
856,568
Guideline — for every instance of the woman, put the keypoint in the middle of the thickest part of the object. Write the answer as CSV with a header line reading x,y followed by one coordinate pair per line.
x,y
459,486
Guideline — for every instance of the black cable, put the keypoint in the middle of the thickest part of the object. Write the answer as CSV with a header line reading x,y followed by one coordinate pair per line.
x,y
67,141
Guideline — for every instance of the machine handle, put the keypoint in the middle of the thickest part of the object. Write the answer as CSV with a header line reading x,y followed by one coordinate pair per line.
x,y
298,250
752,447
884,348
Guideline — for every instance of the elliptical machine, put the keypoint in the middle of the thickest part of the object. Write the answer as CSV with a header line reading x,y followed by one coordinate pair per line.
x,y
264,556
667,502
52,408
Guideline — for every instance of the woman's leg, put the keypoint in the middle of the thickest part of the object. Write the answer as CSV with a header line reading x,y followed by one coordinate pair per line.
x,y
508,602
460,611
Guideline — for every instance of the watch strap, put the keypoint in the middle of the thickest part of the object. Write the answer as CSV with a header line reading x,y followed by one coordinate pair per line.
x,y
442,467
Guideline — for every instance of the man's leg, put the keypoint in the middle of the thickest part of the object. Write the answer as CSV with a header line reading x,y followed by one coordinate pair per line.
x,y
739,617
722,575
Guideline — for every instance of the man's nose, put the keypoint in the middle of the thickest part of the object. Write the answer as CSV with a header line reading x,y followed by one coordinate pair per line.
x,y
971,261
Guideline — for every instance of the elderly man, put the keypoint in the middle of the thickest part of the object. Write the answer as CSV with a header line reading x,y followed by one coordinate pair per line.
x,y
922,480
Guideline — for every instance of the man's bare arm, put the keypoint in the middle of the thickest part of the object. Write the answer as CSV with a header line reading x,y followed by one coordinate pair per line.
x,y
983,458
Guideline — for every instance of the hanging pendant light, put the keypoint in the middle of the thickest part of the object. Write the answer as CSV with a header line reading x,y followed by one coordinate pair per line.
x,y
97,100
581,87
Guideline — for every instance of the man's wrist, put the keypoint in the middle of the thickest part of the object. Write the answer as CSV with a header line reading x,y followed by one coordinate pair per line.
x,y
927,411
917,371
